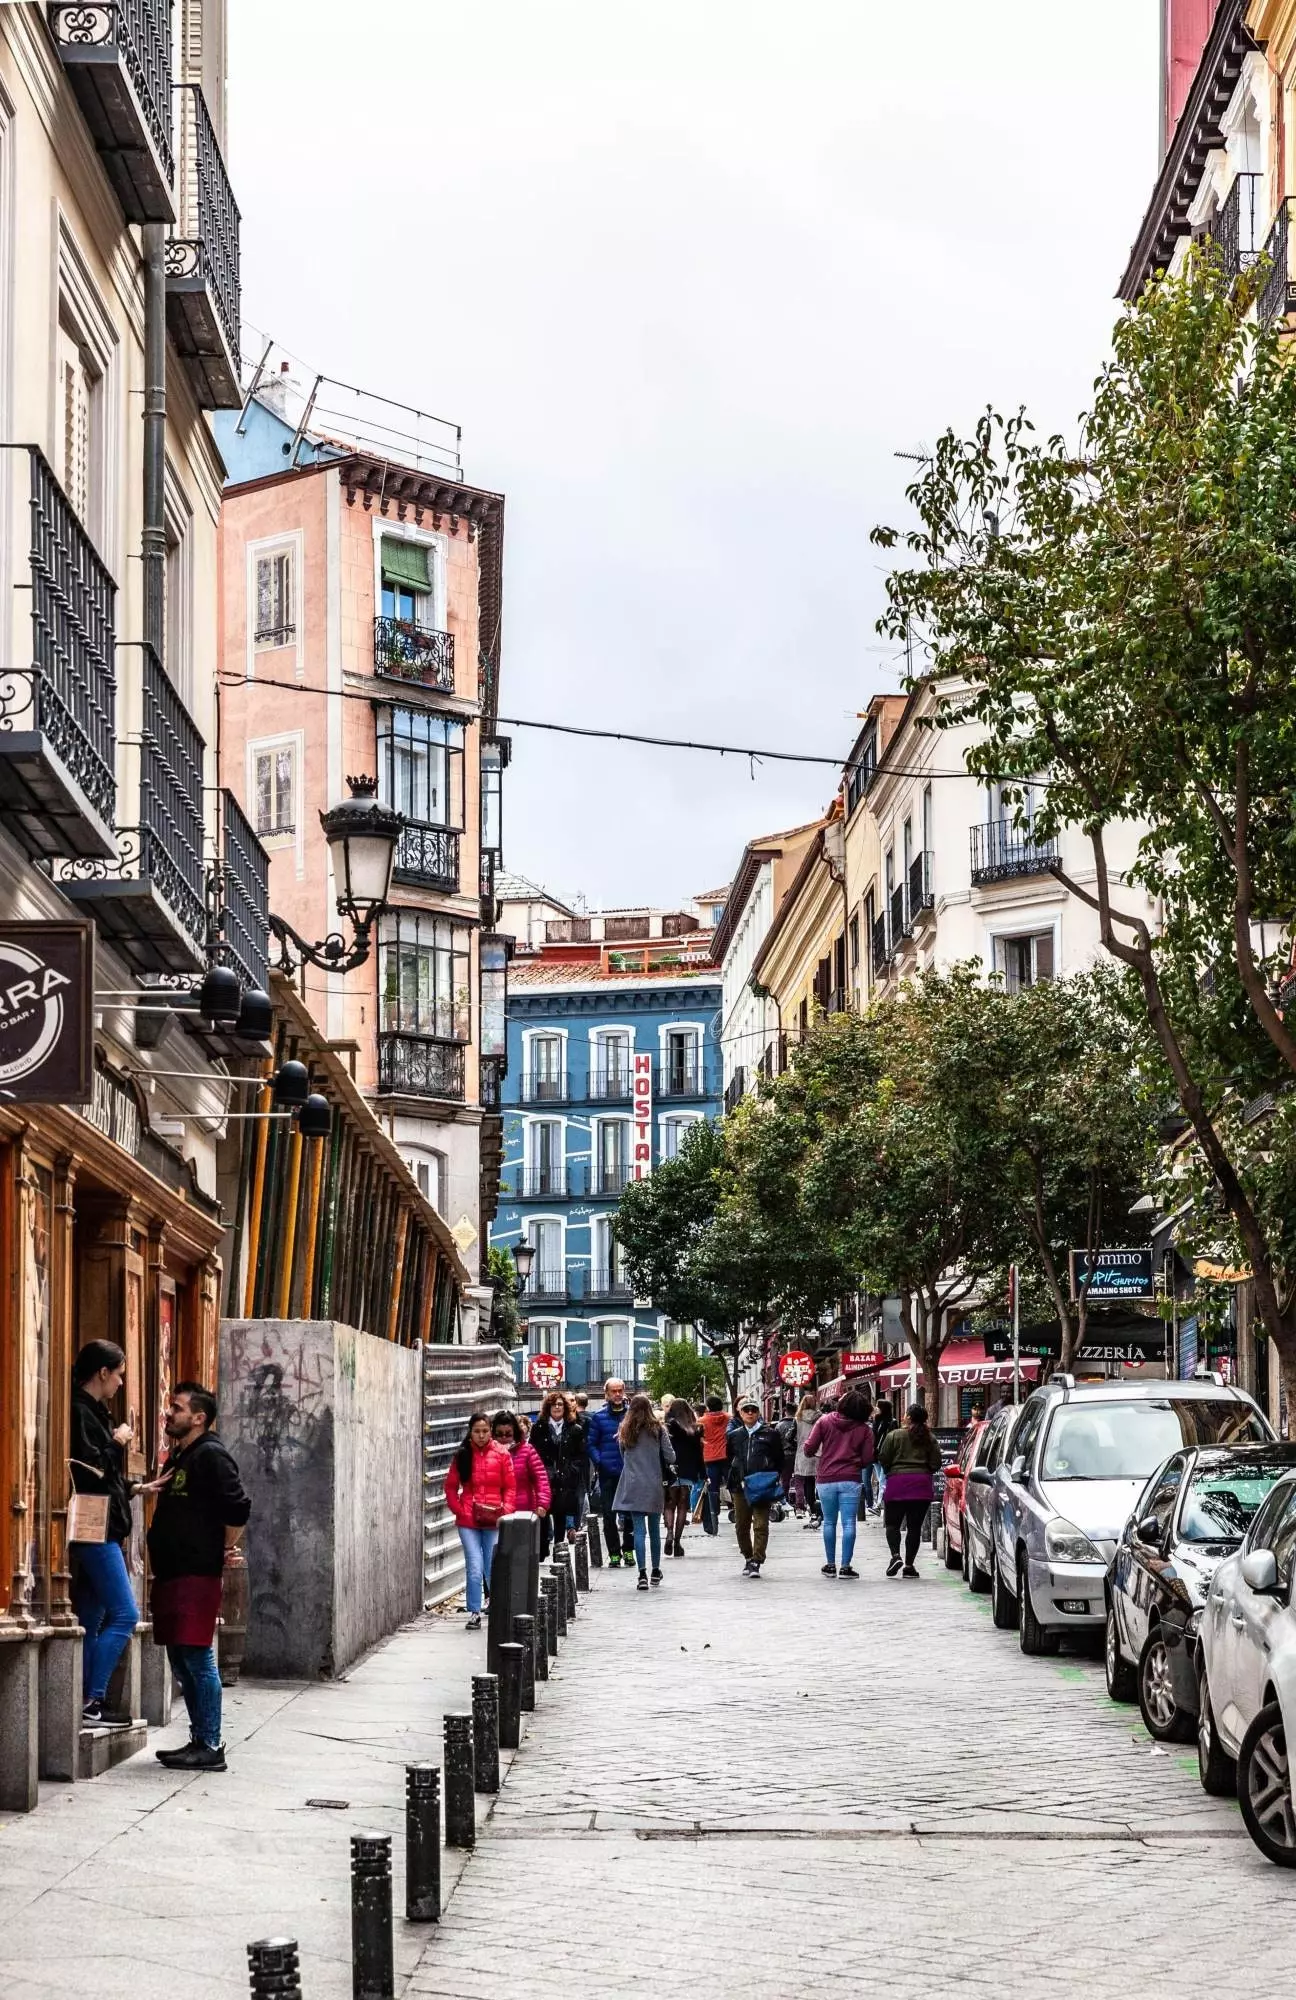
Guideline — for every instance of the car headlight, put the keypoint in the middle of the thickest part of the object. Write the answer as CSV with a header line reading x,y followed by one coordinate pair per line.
x,y
1064,1542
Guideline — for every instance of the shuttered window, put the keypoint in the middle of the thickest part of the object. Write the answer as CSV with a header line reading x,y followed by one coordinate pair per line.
x,y
275,624
75,417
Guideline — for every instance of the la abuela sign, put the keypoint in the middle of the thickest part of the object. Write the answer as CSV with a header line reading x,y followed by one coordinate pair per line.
x,y
46,1013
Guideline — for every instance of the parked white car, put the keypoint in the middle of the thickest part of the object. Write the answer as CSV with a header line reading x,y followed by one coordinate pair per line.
x,y
1247,1643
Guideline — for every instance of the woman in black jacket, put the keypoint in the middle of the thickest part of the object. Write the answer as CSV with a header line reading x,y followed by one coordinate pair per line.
x,y
686,1443
559,1438
101,1585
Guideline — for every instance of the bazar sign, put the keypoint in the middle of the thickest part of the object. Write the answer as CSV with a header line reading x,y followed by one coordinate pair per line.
x,y
545,1371
796,1369
46,1013
1113,1274
641,1114
857,1363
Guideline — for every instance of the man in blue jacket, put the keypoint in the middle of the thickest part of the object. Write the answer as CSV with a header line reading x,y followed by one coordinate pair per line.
x,y
605,1455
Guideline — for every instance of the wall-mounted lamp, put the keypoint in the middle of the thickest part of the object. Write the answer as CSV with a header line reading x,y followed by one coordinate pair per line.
x,y
362,837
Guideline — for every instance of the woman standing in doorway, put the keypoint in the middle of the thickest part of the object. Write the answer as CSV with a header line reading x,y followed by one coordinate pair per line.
x,y
480,1489
101,1587
690,1471
647,1468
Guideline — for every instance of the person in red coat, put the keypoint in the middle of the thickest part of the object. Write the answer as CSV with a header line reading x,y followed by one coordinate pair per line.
x,y
534,1495
480,1488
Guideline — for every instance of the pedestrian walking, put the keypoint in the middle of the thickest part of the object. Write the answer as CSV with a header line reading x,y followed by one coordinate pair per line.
x,y
910,1457
715,1426
560,1440
531,1487
755,1481
690,1467
603,1444
804,1497
200,1514
647,1469
839,1446
874,1477
480,1488
101,1586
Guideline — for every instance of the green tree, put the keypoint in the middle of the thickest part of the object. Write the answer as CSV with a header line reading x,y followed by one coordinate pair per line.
x,y
505,1318
677,1368
1119,616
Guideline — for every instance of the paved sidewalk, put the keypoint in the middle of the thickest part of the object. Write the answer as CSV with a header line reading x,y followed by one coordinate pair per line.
x,y
800,1786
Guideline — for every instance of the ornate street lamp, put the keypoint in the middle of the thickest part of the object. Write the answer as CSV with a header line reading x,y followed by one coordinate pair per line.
x,y
523,1259
362,837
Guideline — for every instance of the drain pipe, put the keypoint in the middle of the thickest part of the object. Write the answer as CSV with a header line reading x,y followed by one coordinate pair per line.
x,y
154,539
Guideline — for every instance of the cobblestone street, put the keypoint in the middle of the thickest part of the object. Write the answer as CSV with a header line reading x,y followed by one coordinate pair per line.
x,y
800,1786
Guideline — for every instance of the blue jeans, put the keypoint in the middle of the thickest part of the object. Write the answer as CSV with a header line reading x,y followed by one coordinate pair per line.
x,y
478,1548
106,1608
195,1669
646,1526
870,1485
839,1499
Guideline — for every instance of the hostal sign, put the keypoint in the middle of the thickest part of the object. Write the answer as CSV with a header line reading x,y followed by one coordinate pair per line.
x,y
46,1013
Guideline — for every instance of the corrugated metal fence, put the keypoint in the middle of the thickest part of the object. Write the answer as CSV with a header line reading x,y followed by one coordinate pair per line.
x,y
456,1381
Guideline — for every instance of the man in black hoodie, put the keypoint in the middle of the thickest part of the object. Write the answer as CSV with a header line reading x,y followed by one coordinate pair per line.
x,y
201,1508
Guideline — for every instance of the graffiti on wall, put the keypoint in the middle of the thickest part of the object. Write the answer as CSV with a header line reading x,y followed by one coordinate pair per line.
x,y
281,1396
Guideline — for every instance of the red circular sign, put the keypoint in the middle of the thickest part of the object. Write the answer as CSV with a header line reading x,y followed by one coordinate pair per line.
x,y
545,1371
797,1370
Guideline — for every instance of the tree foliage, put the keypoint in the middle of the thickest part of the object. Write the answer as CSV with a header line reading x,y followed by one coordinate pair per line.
x,y
505,1318
677,1368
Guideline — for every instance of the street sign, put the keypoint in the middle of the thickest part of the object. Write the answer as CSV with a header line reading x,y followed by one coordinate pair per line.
x,y
796,1370
862,1363
1113,1274
545,1371
46,1013
1123,1343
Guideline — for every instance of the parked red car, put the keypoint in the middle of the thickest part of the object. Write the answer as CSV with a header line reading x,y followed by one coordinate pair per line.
x,y
951,1522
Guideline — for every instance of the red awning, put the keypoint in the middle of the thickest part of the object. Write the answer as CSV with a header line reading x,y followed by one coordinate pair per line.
x,y
964,1365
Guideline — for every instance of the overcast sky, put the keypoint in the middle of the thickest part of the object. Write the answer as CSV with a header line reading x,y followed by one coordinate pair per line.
x,y
689,273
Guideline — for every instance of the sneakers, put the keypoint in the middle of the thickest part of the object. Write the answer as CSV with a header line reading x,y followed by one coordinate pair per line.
x,y
474,1622
908,1570
614,1562
893,1567
751,1569
846,1570
643,1579
194,1757
93,1717
830,1569
656,1575
169,1756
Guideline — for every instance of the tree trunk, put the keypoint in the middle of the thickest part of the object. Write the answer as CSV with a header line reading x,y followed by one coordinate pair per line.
x,y
931,1387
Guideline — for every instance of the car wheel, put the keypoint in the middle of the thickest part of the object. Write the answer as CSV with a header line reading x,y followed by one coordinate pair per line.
x,y
1002,1609
976,1578
1264,1787
1162,1715
1122,1681
1031,1635
953,1557
1215,1768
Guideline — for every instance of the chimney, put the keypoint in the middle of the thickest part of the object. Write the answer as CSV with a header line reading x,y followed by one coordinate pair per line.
x,y
274,392
1185,25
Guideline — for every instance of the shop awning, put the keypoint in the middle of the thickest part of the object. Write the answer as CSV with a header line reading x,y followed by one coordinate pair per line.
x,y
964,1365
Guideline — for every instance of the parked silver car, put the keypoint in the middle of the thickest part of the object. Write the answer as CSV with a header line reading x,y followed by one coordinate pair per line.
x,y
992,1445
1080,1459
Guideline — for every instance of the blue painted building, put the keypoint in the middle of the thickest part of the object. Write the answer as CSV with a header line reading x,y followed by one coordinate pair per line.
x,y
609,1063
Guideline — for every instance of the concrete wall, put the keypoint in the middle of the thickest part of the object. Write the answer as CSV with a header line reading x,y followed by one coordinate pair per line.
x,y
325,1424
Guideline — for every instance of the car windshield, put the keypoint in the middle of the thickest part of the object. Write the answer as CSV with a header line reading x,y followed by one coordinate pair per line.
x,y
1218,1505
1129,1440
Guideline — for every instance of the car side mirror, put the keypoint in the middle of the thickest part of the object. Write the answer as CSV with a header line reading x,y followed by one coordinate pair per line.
x,y
1260,1572
979,1476
1017,1470
1149,1530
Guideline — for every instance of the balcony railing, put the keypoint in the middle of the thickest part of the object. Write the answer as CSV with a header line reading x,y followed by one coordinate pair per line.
x,y
919,887
544,1089
246,897
428,855
202,261
609,1086
542,1284
897,915
1237,226
542,1184
418,1066
117,58
881,947
612,1180
58,788
605,1285
681,1080
151,900
1279,295
735,1090
415,653
1000,851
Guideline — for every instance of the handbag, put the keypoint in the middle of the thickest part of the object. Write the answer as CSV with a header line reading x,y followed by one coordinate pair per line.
x,y
486,1513
87,1513
759,1488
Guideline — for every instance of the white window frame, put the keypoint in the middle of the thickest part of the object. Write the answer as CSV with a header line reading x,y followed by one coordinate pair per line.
x,y
79,306
403,531
274,843
559,1327
539,1034
530,1123
1024,925
596,1147
274,658
438,1164
665,1118
529,1227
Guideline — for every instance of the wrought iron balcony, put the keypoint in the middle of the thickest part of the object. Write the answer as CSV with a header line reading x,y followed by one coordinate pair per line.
x,y
880,946
420,1066
489,1088
682,1080
609,1086
58,787
541,1284
1236,229
542,1183
245,942
428,855
151,899
545,1088
1278,298
735,1090
603,1285
117,58
897,915
612,1180
1001,850
407,652
921,897
202,261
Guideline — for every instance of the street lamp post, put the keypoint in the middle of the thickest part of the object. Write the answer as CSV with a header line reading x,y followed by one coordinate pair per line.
x,y
523,1259
362,835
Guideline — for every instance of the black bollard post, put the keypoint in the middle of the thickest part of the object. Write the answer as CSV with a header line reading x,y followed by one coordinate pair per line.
x,y
510,1696
272,1965
422,1844
595,1540
524,1631
569,1581
371,1917
560,1597
582,1560
460,1811
486,1732
549,1617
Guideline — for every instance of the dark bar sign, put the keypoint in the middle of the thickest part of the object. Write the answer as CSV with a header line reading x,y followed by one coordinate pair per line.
x,y
1113,1274
46,1013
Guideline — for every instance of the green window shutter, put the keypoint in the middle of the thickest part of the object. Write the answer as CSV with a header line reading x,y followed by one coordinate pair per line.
x,y
406,564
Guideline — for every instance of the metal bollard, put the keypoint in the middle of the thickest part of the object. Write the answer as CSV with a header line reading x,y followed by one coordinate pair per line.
x,y
569,1579
524,1631
486,1732
510,1696
582,1560
371,1917
549,1617
422,1844
275,1973
460,1810
560,1596
595,1540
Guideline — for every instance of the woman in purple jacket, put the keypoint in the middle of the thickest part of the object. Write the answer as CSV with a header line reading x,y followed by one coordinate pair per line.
x,y
841,1445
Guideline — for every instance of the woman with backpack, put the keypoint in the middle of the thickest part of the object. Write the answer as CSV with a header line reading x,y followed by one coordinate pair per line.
x,y
839,1447
690,1471
480,1488
647,1469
